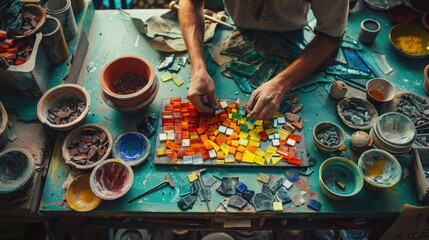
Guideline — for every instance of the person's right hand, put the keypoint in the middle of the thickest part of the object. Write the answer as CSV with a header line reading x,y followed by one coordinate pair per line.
x,y
201,92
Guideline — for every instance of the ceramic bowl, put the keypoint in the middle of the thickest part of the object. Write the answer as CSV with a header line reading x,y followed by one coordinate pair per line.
x,y
16,170
396,129
402,14
382,5
340,178
77,133
39,12
111,179
4,130
379,90
55,96
372,111
410,40
321,127
379,169
79,195
131,147
119,68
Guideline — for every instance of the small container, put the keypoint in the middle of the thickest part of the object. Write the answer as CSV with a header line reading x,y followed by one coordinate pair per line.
x,y
131,147
379,169
79,195
76,133
340,178
369,29
320,127
53,41
17,169
62,10
111,179
119,68
379,91
57,94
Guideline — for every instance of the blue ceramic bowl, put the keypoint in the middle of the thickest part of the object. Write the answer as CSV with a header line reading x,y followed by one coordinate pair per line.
x,y
16,170
379,169
396,129
131,147
340,178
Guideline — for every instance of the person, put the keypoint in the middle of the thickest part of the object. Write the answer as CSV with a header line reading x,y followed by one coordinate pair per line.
x,y
270,15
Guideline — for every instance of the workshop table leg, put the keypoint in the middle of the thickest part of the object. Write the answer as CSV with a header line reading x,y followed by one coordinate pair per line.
x,y
74,227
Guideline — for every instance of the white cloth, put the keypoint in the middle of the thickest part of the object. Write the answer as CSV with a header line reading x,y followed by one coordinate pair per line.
x,y
287,15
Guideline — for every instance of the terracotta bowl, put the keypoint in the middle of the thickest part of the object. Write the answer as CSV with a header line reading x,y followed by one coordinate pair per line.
x,y
4,130
58,94
76,133
111,179
17,169
79,195
120,67
37,11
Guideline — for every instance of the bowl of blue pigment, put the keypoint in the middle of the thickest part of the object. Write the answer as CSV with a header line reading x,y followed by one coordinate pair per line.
x,y
131,147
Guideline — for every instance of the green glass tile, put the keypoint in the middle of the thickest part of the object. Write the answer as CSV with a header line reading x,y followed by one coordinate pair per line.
x,y
238,50
252,57
242,83
241,68
342,71
265,72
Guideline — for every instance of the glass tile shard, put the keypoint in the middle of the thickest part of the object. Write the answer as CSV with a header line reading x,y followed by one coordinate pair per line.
x,y
236,202
283,195
265,72
166,62
350,42
252,57
242,83
345,72
187,201
241,68
354,60
262,202
238,50
227,188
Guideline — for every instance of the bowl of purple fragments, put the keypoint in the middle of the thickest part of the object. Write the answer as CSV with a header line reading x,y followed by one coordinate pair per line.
x,y
64,107
87,146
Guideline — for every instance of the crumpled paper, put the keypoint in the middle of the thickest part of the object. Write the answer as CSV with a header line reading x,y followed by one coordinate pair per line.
x,y
166,33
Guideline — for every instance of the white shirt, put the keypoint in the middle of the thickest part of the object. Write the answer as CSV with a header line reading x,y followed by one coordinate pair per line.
x,y
287,15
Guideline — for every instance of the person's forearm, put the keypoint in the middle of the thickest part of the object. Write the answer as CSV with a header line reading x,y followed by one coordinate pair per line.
x,y
191,18
316,53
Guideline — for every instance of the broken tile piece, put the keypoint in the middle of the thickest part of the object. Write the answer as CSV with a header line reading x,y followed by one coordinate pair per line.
x,y
227,188
237,202
274,186
248,194
166,78
162,137
177,80
208,179
290,142
219,174
292,174
262,202
187,160
264,178
12,137
297,108
314,204
181,61
208,194
197,159
306,171
292,117
187,201
283,195
166,62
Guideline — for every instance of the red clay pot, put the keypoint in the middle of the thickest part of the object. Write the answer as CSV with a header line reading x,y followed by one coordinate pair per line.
x,y
119,67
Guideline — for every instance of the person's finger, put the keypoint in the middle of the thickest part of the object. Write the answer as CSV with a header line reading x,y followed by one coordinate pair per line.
x,y
252,101
212,100
257,110
198,102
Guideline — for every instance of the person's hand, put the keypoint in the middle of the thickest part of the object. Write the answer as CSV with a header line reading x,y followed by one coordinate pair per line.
x,y
266,99
201,92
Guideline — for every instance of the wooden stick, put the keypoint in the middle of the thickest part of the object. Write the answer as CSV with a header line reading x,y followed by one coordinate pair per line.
x,y
173,5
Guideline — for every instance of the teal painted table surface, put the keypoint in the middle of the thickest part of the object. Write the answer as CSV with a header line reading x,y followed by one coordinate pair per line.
x,y
112,35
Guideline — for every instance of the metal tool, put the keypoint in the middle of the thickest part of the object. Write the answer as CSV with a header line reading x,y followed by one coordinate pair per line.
x,y
173,5
140,25
198,172
161,184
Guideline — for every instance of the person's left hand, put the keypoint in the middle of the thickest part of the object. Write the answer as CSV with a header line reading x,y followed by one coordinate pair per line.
x,y
266,100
